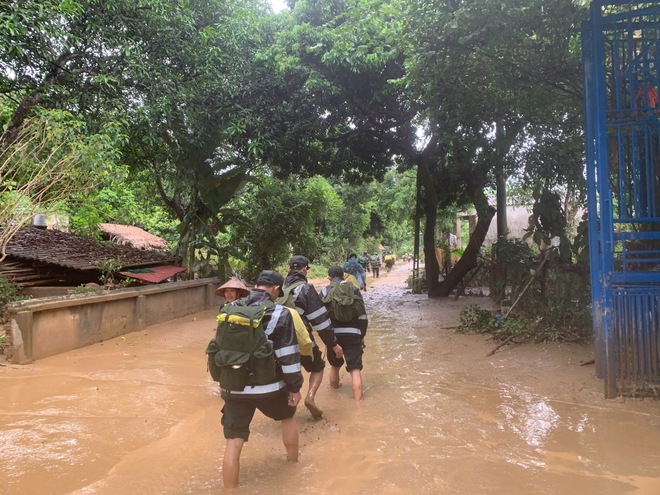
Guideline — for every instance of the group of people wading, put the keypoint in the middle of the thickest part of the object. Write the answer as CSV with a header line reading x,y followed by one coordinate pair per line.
x,y
337,315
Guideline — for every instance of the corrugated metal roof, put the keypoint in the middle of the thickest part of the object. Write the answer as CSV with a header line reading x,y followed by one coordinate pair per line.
x,y
65,249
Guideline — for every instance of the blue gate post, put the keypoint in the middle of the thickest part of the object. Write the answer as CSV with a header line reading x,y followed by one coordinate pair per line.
x,y
592,205
621,59
604,219
598,215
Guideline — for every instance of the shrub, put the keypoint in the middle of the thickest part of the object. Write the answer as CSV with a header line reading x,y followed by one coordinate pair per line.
x,y
419,284
84,289
9,292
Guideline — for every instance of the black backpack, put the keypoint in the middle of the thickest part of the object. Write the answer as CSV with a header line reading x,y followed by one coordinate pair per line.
x,y
241,354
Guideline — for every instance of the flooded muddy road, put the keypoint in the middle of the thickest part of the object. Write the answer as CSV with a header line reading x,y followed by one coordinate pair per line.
x,y
139,415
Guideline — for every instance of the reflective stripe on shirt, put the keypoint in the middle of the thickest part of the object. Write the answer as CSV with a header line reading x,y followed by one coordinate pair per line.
x,y
347,330
277,311
322,326
260,389
292,368
316,313
287,351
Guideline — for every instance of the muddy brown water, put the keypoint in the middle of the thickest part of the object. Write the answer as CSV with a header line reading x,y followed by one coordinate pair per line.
x,y
139,415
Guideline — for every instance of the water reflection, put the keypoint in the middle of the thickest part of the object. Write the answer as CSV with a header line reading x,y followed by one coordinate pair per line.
x,y
529,417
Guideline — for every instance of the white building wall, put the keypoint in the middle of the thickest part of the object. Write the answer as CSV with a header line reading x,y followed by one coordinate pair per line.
x,y
517,218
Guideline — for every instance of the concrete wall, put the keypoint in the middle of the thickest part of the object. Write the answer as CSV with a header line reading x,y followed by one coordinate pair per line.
x,y
39,328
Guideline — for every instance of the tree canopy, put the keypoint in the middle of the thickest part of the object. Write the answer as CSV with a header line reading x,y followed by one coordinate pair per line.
x,y
256,134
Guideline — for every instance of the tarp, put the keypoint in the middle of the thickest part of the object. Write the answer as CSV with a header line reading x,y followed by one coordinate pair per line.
x,y
154,274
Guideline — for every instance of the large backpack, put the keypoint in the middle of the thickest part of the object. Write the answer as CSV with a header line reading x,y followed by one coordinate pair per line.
x,y
339,300
241,354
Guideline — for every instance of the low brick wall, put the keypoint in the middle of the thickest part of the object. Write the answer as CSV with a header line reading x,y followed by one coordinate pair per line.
x,y
38,328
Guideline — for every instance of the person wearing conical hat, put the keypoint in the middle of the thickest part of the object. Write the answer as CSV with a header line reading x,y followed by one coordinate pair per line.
x,y
232,289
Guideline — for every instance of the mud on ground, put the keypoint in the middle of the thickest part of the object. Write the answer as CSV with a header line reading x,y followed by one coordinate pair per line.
x,y
139,414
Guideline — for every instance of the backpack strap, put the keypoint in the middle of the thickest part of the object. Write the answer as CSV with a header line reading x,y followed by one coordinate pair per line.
x,y
255,323
288,290
328,292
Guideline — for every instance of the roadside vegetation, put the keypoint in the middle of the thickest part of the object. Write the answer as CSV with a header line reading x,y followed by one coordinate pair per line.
x,y
242,136
9,292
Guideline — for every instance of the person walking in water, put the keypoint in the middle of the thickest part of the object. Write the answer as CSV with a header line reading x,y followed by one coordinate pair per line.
x,y
375,265
350,332
277,400
364,262
353,267
310,307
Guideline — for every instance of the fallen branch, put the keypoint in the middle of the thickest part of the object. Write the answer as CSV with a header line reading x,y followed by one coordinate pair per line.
x,y
546,255
506,341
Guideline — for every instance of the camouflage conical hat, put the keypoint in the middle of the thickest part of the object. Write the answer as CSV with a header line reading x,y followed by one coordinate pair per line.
x,y
233,283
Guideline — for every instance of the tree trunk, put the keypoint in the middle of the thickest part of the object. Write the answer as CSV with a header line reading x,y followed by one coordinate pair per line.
x,y
431,267
430,200
501,146
468,261
26,106
502,223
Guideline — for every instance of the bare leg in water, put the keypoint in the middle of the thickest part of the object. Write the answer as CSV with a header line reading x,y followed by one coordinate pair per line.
x,y
334,377
315,380
290,438
356,379
231,463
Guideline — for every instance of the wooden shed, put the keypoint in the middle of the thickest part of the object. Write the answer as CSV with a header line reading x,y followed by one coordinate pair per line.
x,y
46,257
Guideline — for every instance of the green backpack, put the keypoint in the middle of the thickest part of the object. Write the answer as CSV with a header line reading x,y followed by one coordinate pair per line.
x,y
286,299
241,354
339,301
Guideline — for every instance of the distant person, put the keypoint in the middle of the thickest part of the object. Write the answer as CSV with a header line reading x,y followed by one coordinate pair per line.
x,y
375,265
350,331
232,289
354,268
390,259
309,305
364,261
277,400
453,241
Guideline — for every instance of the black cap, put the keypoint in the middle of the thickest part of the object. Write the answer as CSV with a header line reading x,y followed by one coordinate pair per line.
x,y
336,272
297,262
270,277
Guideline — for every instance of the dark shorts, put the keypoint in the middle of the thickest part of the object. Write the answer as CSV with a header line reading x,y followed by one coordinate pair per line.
x,y
313,364
352,346
237,414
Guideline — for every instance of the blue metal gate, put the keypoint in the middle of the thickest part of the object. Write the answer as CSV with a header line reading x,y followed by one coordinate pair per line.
x,y
621,57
